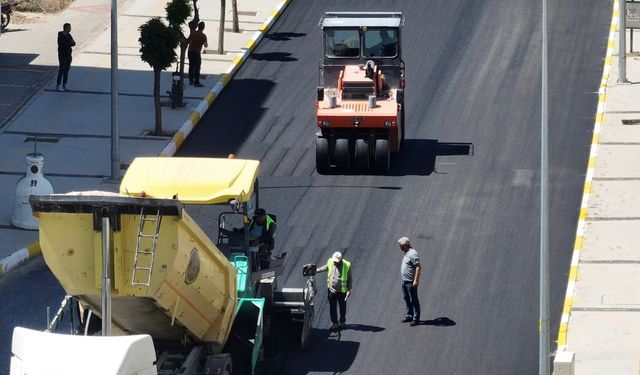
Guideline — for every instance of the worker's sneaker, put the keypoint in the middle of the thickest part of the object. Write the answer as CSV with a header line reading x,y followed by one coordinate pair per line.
x,y
406,319
58,88
198,84
66,88
414,323
333,327
341,325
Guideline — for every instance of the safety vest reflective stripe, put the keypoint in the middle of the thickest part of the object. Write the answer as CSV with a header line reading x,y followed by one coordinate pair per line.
x,y
343,275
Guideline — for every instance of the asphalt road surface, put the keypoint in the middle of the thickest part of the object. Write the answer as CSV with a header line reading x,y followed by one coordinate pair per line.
x,y
465,188
473,84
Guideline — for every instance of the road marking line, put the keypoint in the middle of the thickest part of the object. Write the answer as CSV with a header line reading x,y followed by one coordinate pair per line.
x,y
563,331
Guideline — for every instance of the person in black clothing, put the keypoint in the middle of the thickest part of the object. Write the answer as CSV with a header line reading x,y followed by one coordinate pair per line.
x,y
65,42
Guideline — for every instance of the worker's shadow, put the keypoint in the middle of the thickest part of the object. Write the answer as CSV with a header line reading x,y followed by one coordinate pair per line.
x,y
362,328
343,353
438,322
419,156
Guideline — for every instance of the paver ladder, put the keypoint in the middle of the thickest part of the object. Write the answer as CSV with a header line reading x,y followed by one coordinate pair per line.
x,y
141,255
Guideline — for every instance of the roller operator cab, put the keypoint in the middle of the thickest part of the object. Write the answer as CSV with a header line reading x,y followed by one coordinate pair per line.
x,y
360,99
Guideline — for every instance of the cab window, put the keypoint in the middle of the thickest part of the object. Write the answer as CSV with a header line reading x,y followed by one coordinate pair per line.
x,y
342,42
380,43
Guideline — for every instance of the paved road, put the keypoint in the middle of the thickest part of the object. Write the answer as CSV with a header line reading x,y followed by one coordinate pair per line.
x,y
473,77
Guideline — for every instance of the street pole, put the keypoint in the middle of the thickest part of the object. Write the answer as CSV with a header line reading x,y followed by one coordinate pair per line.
x,y
221,29
106,275
544,360
622,42
115,131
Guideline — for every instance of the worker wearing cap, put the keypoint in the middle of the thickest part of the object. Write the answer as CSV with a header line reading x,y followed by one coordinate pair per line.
x,y
262,232
339,282
410,272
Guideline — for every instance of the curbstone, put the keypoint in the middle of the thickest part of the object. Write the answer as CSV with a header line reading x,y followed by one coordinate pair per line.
x,y
19,257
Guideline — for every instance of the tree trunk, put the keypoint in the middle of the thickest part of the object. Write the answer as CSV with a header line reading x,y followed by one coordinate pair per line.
x,y
234,6
183,49
156,100
221,32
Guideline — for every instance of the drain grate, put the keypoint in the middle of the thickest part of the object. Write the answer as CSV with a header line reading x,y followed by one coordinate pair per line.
x,y
631,122
42,139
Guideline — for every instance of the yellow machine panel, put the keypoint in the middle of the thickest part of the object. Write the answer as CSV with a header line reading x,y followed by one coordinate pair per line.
x,y
190,289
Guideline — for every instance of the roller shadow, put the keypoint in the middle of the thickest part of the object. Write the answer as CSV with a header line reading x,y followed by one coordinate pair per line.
x,y
418,156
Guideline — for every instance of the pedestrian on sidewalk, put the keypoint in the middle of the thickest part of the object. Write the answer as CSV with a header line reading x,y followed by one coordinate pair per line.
x,y
65,42
410,272
197,39
339,283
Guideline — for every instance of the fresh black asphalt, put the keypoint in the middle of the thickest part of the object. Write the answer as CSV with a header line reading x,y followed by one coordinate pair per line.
x,y
465,188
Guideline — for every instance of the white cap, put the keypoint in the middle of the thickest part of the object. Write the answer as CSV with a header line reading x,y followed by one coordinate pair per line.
x,y
337,257
403,241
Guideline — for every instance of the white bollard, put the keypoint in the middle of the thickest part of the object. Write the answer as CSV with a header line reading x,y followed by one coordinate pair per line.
x,y
33,183
564,363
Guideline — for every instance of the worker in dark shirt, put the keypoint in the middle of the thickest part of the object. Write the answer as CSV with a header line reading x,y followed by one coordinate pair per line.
x,y
197,39
65,42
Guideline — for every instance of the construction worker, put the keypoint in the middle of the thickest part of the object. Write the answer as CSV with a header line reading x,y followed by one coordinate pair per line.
x,y
339,283
262,233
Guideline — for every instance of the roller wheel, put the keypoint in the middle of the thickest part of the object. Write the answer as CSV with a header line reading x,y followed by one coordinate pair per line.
x,y
322,155
402,128
343,158
361,155
382,156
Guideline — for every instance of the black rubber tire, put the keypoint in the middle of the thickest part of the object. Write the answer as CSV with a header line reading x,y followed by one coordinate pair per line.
x,y
361,158
382,159
343,157
322,155
402,128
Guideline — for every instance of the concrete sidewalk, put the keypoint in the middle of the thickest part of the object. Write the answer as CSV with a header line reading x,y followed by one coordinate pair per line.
x,y
74,127
601,322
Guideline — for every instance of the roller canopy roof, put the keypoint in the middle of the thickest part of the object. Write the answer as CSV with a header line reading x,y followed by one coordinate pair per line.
x,y
360,19
191,180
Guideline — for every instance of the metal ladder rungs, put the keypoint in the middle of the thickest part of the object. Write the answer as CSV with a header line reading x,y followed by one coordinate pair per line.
x,y
139,252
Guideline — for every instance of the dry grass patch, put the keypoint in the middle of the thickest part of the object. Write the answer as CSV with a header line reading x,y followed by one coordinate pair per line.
x,y
42,6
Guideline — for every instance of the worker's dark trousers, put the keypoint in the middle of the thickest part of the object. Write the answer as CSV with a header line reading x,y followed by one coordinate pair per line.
x,y
195,61
63,71
337,298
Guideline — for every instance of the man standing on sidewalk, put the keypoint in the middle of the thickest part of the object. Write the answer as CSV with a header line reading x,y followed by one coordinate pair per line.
x,y
339,288
197,40
65,42
410,272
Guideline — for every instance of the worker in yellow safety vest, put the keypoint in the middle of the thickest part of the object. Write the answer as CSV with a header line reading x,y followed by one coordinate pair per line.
x,y
339,283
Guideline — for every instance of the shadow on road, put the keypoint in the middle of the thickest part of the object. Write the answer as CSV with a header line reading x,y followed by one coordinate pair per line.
x,y
284,36
362,328
438,322
273,56
418,156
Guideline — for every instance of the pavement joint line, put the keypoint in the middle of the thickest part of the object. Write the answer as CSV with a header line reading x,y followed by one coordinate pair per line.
x,y
614,218
7,173
606,309
119,94
620,143
192,120
607,261
72,135
582,218
617,179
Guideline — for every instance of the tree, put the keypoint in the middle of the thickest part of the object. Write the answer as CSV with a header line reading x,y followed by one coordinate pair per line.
x,y
223,4
158,43
177,13
234,7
